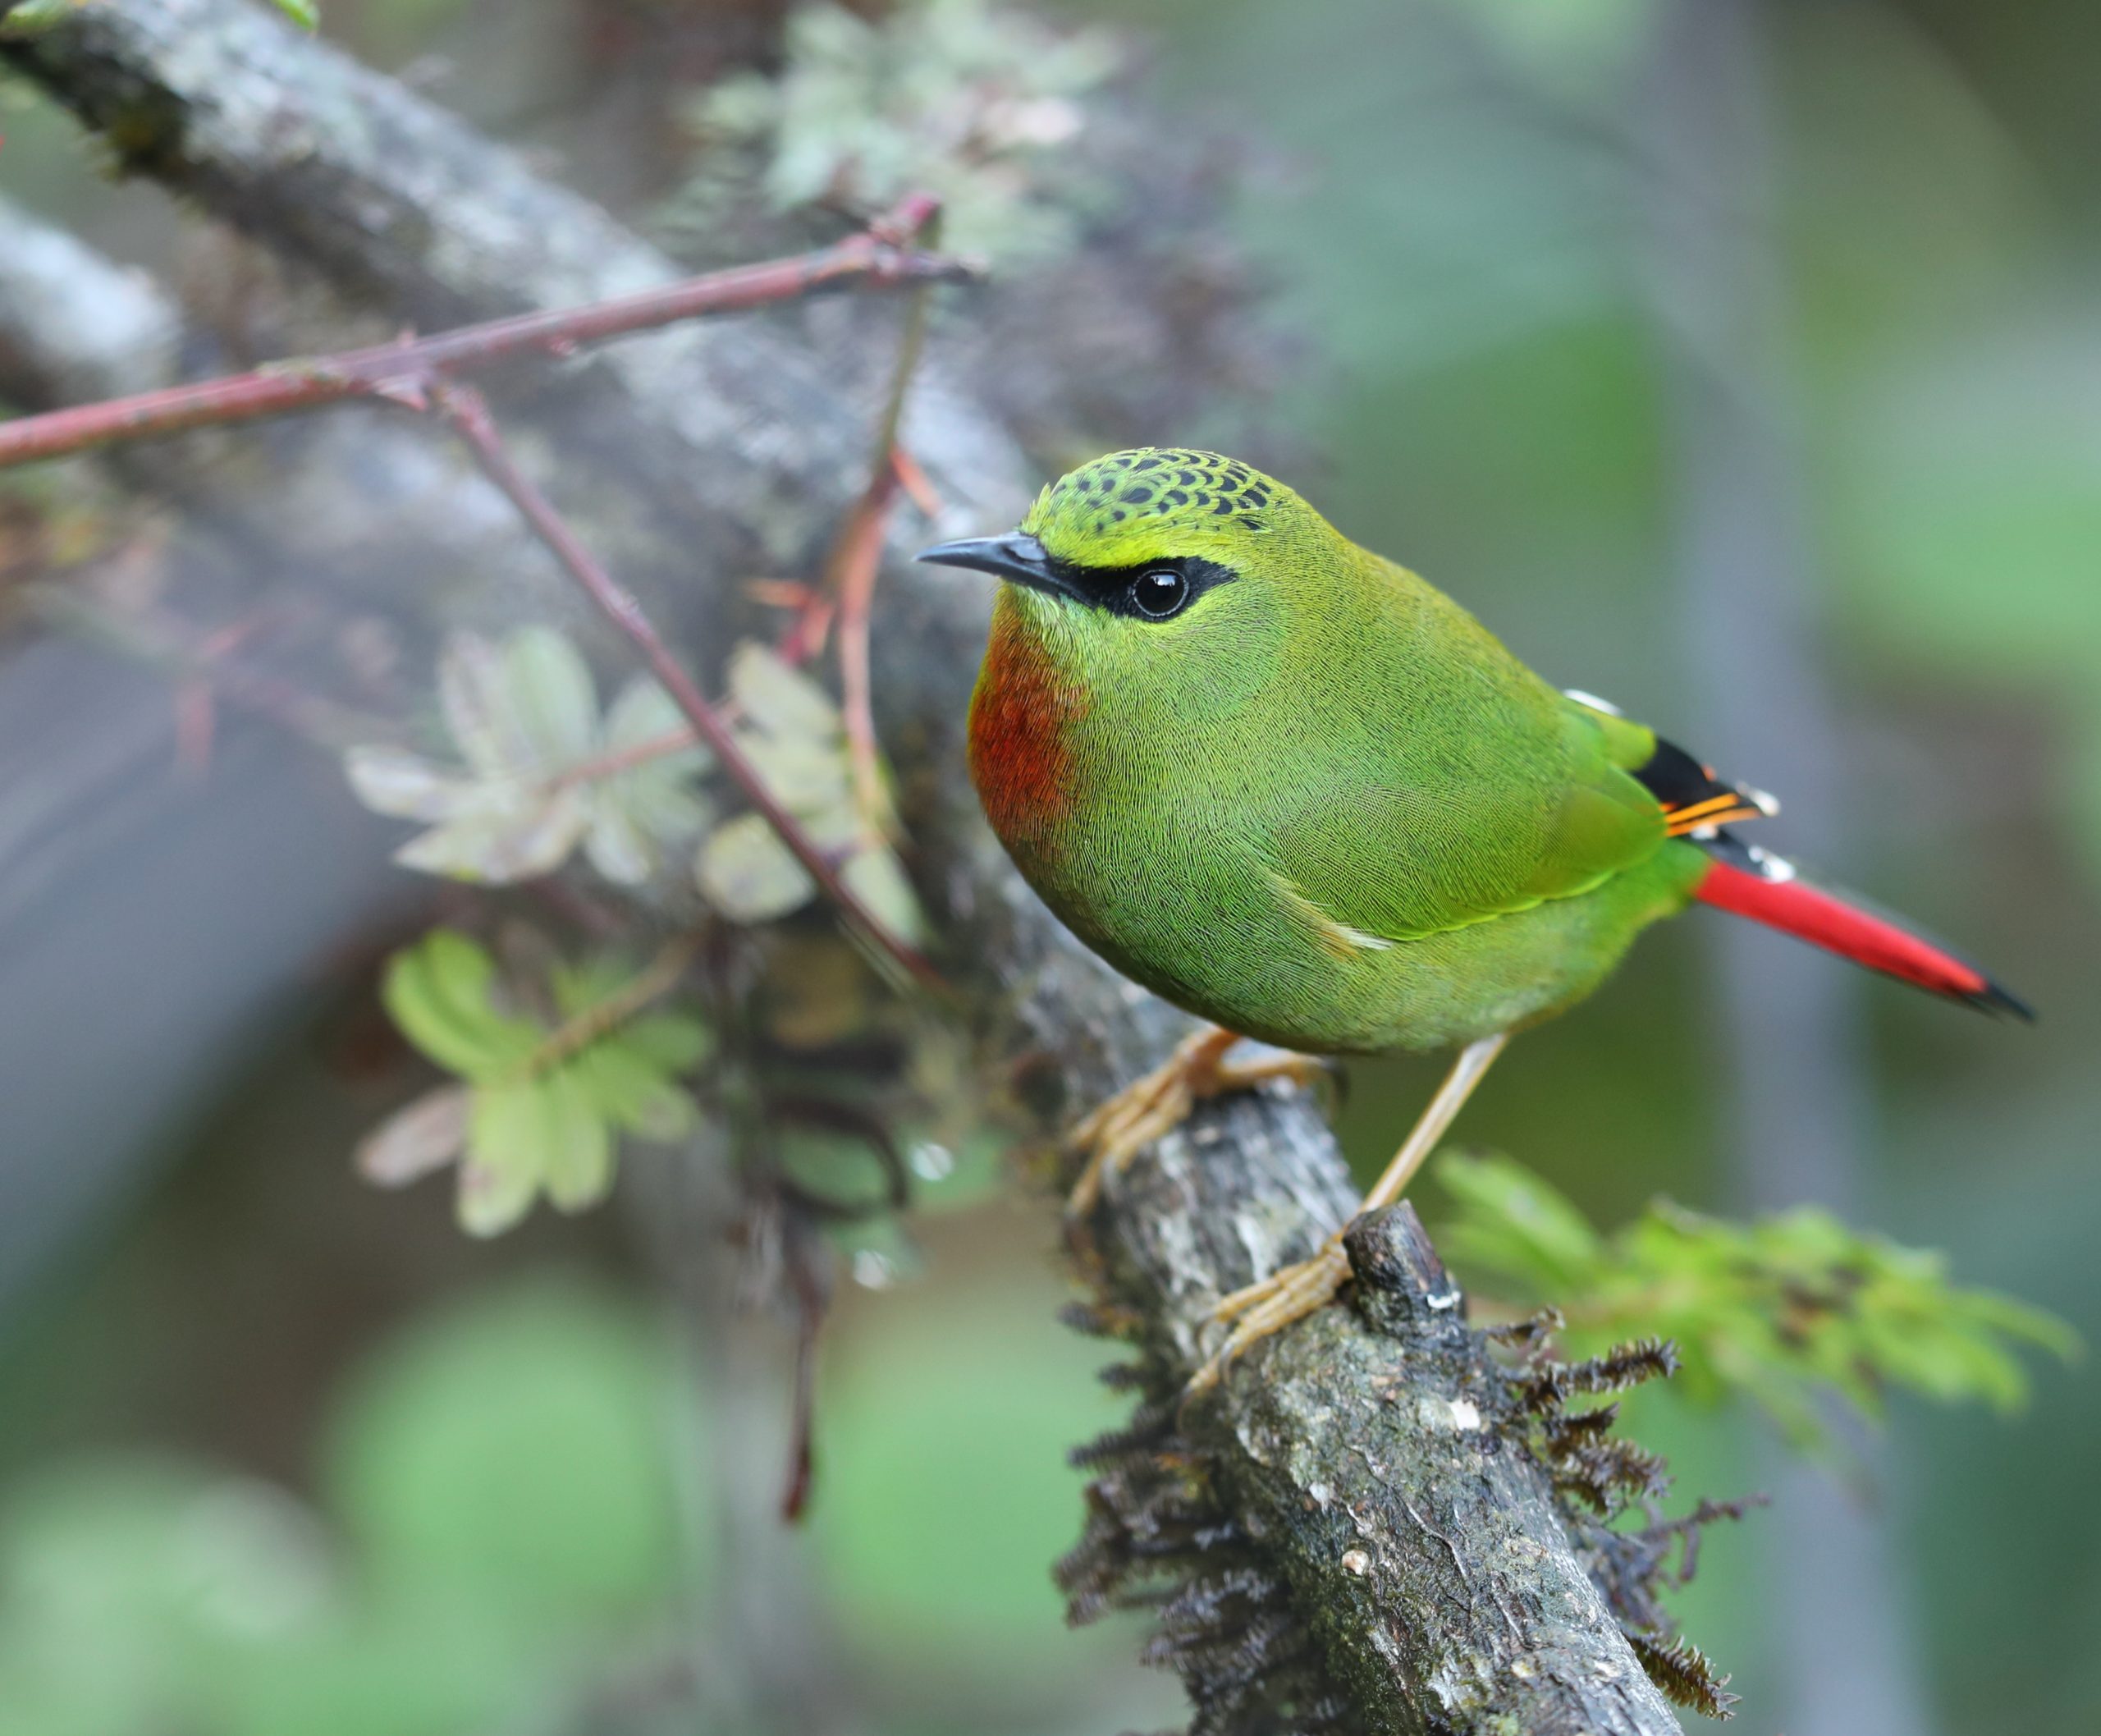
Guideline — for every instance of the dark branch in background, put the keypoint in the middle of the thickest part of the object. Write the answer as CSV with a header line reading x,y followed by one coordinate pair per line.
x,y
1355,1532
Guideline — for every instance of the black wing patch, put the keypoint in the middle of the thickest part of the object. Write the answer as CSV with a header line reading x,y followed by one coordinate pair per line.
x,y
1695,799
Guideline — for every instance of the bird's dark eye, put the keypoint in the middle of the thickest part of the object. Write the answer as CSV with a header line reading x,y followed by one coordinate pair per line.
x,y
1159,593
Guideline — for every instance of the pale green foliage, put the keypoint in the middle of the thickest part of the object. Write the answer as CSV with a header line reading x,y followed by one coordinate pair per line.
x,y
541,1106
956,97
539,772
1777,1310
792,733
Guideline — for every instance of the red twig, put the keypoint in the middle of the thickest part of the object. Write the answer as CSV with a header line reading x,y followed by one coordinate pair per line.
x,y
860,558
850,579
913,481
465,409
879,259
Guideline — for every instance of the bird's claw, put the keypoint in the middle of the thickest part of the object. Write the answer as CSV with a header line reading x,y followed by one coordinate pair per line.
x,y
1271,1304
1119,1130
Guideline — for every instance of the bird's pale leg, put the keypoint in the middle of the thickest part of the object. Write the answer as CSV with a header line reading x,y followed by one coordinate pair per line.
x,y
1296,1291
1117,1131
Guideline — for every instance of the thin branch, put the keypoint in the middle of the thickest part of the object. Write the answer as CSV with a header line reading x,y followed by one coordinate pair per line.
x,y
879,258
861,560
193,661
850,579
649,985
468,412
612,763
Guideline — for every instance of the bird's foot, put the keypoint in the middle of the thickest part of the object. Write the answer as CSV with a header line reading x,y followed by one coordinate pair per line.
x,y
1117,1131
1268,1305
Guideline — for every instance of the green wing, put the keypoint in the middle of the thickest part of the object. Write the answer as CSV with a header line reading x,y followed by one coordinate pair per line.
x,y
1531,798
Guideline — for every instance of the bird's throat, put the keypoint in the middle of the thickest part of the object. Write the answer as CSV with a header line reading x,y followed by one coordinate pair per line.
x,y
1021,750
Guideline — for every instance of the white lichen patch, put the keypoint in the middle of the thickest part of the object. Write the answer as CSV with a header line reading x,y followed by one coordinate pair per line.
x,y
1459,1415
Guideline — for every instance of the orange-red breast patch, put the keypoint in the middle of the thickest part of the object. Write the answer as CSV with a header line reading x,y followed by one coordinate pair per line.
x,y
1020,758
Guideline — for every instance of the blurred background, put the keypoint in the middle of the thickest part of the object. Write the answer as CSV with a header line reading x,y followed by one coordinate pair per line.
x,y
1739,362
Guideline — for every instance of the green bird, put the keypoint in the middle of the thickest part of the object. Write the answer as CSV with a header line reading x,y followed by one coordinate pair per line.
x,y
1289,785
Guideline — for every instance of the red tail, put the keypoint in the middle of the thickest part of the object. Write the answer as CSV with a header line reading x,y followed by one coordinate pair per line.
x,y
1809,912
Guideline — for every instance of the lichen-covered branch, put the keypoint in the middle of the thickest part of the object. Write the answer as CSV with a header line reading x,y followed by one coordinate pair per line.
x,y
1354,1533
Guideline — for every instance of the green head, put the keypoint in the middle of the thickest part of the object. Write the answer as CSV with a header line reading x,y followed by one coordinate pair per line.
x,y
1157,566
1130,507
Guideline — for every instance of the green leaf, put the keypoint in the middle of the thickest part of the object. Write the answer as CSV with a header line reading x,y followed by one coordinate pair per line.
x,y
578,986
778,698
541,775
546,690
970,101
502,834
876,877
439,992
1516,1225
578,1141
653,801
615,844
748,874
674,1043
392,781
642,712
546,1106
478,715
1780,1311
665,1119
810,777
304,13
507,1156
630,1091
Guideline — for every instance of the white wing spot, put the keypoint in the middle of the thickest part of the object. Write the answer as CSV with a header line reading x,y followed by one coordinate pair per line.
x,y
1336,938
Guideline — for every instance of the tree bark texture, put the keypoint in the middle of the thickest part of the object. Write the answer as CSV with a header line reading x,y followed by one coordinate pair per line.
x,y
1354,1533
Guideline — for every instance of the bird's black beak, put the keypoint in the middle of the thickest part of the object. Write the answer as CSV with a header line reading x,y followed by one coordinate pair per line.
x,y
1015,556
